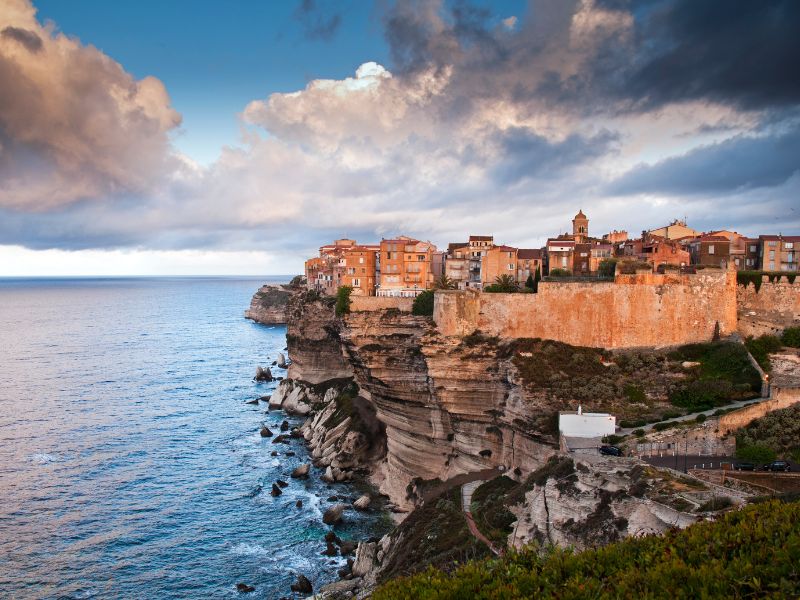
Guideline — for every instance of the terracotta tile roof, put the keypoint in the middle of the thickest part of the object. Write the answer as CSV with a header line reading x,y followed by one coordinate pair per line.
x,y
481,238
528,253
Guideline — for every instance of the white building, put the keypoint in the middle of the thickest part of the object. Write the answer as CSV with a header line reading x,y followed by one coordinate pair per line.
x,y
586,425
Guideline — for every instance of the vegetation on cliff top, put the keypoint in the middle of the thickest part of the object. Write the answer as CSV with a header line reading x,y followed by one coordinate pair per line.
x,y
778,432
343,301
638,386
745,278
761,347
746,553
423,304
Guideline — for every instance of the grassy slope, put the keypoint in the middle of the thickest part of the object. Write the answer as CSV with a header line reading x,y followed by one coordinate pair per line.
x,y
747,553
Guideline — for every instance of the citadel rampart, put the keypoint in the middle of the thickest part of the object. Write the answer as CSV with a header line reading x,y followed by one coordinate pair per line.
x,y
769,309
372,303
641,310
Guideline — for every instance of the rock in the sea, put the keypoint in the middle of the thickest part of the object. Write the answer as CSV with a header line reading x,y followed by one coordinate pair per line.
x,y
331,538
265,431
285,426
362,503
276,491
282,364
263,374
281,439
328,475
347,547
299,504
334,514
330,550
252,401
274,453
290,453
301,472
296,433
282,483
243,588
302,585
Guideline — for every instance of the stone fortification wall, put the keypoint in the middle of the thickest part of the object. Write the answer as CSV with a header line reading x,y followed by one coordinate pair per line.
x,y
371,303
770,309
781,397
641,310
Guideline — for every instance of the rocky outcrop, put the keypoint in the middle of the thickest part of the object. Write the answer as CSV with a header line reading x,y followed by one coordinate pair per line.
x,y
269,304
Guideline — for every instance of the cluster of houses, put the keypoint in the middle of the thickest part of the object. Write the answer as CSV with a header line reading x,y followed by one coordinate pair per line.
x,y
404,266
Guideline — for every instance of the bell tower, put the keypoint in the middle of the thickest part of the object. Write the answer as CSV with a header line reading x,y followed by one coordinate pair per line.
x,y
580,227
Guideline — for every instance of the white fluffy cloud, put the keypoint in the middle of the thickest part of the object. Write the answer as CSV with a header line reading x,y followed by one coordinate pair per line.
x,y
73,124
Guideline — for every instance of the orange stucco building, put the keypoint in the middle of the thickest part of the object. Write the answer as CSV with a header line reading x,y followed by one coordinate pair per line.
x,y
406,267
361,270
497,261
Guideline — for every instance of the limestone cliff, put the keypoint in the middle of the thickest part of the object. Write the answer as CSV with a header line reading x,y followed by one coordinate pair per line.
x,y
268,305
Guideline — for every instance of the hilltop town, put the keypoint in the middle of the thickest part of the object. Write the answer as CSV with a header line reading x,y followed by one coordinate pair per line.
x,y
405,267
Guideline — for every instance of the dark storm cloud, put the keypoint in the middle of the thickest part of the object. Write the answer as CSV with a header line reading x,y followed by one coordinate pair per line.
x,y
740,52
316,24
525,154
27,38
736,164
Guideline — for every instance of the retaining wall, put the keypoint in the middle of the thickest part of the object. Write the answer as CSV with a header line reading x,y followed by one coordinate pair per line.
x,y
642,310
771,309
371,303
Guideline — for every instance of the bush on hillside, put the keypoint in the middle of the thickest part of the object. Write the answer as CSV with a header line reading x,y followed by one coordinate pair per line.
x,y
761,347
745,553
423,304
791,337
757,453
779,431
343,300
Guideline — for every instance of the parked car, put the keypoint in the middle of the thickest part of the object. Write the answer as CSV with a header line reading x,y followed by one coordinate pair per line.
x,y
744,466
610,451
777,465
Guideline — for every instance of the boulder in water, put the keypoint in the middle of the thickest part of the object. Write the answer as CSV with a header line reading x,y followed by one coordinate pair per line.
x,y
243,588
347,547
330,550
282,361
285,426
263,374
265,431
301,472
302,585
334,514
299,504
276,491
282,483
362,503
252,401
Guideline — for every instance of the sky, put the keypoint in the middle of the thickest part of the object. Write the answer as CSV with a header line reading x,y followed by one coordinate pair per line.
x,y
207,137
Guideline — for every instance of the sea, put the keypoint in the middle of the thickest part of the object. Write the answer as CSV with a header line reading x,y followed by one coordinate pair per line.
x,y
131,464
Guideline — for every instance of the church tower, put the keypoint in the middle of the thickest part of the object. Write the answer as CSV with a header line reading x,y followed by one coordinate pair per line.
x,y
580,227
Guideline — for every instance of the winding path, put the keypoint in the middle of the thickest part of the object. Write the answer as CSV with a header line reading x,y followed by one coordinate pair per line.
x,y
466,499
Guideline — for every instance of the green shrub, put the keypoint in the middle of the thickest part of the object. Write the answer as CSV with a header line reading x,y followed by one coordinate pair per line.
x,y
423,304
748,553
607,267
716,503
755,453
343,300
560,272
702,395
638,432
761,347
701,418
503,284
613,439
663,426
634,393
791,337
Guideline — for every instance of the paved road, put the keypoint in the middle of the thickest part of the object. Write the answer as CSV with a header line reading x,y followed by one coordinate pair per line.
x,y
699,462
693,416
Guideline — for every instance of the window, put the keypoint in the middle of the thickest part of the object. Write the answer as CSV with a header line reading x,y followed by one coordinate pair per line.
x,y
772,243
772,266
510,266
711,248
789,245
563,261
420,257
753,248
356,282
361,260
772,254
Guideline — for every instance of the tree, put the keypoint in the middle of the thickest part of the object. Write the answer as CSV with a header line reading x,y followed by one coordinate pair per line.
x,y
343,300
530,283
756,453
423,304
445,283
536,279
607,267
503,284
560,272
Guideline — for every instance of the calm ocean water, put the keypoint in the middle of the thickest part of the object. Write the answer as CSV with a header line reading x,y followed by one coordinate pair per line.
x,y
130,464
